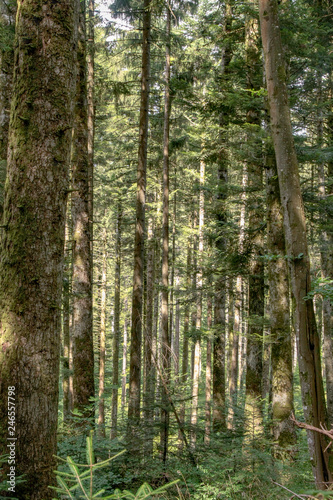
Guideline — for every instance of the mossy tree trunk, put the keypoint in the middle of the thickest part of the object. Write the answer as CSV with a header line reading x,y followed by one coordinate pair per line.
x,y
219,417
296,241
83,352
66,310
278,280
137,298
32,240
254,349
7,27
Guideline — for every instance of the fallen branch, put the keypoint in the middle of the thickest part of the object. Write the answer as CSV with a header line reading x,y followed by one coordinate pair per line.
x,y
321,430
295,495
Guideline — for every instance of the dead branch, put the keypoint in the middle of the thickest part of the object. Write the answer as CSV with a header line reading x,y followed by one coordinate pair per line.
x,y
321,430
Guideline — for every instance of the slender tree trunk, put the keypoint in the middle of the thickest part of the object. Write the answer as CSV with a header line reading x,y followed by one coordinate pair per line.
x,y
124,363
83,352
281,359
172,280
185,350
7,26
67,401
91,116
326,253
177,333
219,420
327,272
254,351
32,240
102,341
116,327
233,350
149,361
208,368
296,242
236,356
199,283
166,347
137,300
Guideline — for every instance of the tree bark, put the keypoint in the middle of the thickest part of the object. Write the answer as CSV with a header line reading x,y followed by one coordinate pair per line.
x,y
102,341
83,351
7,26
32,240
185,349
137,299
149,361
219,418
199,284
166,345
278,280
124,363
116,326
67,399
296,241
254,350
208,394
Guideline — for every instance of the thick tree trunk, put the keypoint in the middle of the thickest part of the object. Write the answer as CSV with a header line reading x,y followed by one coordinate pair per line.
x,y
116,327
137,299
83,351
281,356
102,341
32,242
296,241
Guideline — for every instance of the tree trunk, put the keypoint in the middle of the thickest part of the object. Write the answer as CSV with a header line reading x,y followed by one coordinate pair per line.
x,y
32,240
219,418
102,341
67,400
124,363
83,351
296,242
7,26
185,350
166,347
254,350
137,299
208,369
91,116
326,251
199,283
278,280
116,327
149,360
